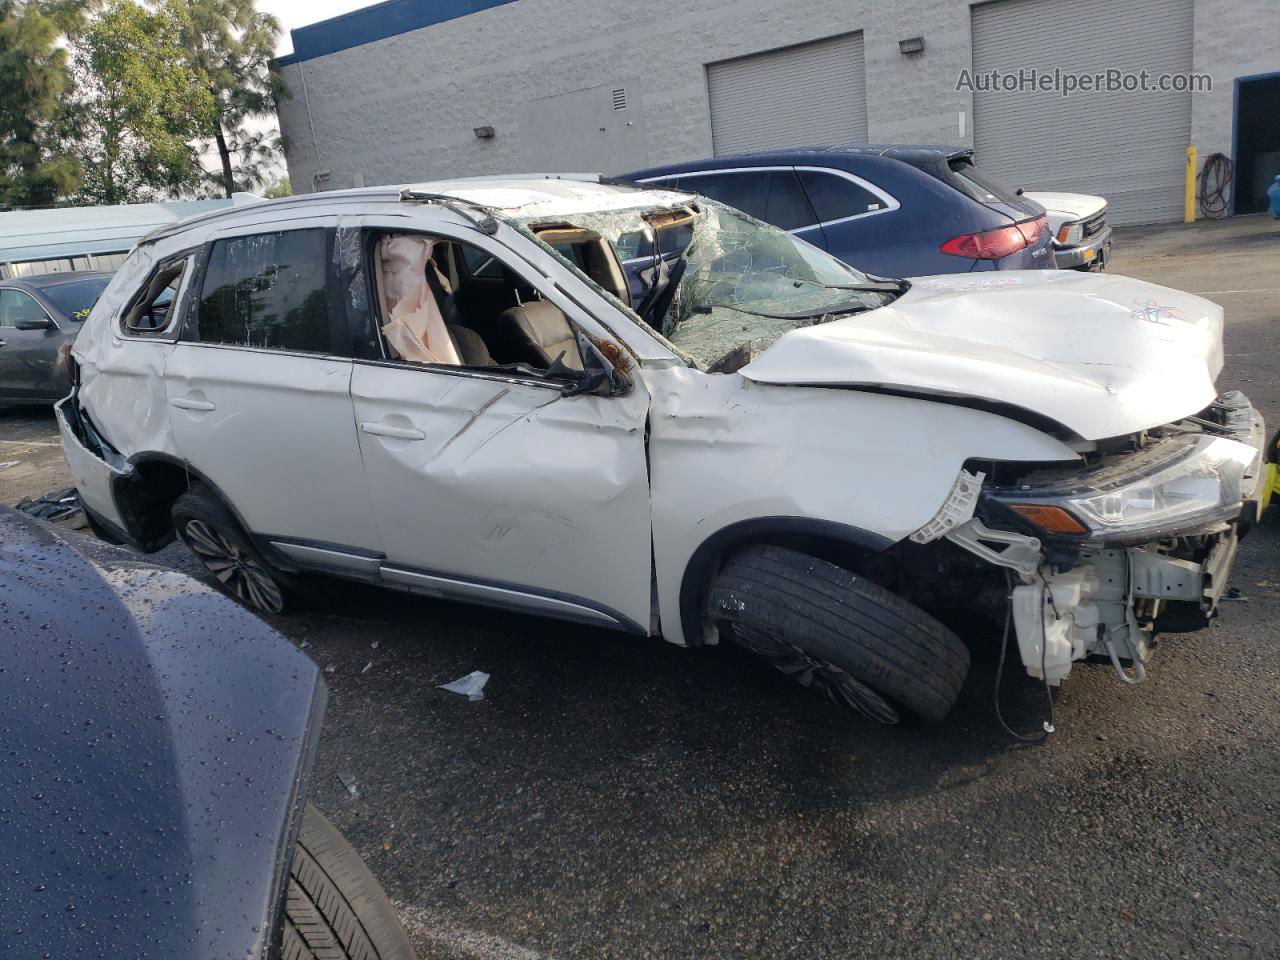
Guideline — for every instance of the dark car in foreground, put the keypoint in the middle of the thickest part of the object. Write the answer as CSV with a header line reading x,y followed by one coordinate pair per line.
x,y
892,211
39,316
157,743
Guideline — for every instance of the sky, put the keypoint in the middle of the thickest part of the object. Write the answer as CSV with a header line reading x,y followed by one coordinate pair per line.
x,y
299,13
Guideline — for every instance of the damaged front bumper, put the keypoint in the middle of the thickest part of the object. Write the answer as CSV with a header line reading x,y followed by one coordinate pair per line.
x,y
1152,548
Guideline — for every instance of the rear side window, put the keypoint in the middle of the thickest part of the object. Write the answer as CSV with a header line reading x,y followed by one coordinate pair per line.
x,y
749,192
835,197
267,290
788,208
151,310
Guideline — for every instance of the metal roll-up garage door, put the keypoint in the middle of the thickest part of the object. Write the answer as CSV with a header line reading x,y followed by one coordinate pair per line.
x,y
813,93
1127,147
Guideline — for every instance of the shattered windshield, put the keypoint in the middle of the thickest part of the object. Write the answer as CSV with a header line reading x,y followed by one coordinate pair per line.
x,y
713,280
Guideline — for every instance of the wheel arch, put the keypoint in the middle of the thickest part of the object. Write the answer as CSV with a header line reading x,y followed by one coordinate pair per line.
x,y
146,495
839,543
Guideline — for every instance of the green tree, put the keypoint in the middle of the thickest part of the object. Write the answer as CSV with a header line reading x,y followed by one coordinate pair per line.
x,y
278,188
140,106
34,83
230,44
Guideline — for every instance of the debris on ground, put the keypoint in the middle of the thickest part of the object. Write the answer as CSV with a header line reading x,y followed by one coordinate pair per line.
x,y
1233,593
59,506
471,686
366,667
349,782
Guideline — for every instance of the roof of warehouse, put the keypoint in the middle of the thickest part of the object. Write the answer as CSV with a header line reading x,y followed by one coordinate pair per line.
x,y
382,20
50,234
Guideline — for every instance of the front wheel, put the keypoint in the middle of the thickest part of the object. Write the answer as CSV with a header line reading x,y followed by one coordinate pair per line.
x,y
334,908
863,647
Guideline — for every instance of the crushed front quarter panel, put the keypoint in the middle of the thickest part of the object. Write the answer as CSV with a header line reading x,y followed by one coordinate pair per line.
x,y
723,449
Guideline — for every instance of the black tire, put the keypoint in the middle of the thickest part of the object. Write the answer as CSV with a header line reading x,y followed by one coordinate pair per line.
x,y
217,540
864,647
334,908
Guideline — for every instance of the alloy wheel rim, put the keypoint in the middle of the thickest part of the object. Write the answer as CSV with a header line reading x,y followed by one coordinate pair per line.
x,y
838,685
234,568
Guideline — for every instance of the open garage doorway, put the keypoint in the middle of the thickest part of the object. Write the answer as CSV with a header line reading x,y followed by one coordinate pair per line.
x,y
1257,142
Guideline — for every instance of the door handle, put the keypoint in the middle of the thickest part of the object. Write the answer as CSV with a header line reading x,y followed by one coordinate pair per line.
x,y
387,430
4,343
186,403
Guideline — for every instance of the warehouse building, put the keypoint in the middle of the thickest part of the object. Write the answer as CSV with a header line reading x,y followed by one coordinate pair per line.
x,y
423,89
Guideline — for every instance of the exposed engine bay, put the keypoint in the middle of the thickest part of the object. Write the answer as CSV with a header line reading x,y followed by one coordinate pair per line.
x,y
1092,560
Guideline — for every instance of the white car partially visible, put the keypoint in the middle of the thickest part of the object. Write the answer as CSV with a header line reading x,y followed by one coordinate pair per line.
x,y
442,389
1081,233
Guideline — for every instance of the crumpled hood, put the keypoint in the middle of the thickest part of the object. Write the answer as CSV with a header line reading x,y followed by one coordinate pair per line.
x,y
1102,355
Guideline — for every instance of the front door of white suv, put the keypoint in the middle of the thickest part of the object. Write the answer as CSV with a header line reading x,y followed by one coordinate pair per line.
x,y
498,488
258,389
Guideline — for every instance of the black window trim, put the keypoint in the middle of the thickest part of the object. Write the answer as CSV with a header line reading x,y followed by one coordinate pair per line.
x,y
339,331
890,202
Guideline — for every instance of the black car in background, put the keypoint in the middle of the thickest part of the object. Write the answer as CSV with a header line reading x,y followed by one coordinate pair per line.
x,y
38,317
157,740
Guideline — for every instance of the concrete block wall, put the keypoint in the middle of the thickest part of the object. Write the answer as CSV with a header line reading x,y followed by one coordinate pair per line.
x,y
404,108
1231,40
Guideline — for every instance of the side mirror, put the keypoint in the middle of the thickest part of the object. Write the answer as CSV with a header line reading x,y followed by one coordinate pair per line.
x,y
33,323
604,369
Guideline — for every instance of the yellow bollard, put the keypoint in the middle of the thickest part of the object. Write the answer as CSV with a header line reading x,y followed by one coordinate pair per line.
x,y
1189,199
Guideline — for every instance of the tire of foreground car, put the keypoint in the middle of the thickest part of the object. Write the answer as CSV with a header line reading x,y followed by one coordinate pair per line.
x,y
865,648
334,908
217,540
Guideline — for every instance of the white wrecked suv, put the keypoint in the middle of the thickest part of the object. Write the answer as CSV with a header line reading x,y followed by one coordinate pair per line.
x,y
642,410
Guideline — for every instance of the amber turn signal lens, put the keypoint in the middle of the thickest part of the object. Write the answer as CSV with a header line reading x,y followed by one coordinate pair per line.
x,y
1052,519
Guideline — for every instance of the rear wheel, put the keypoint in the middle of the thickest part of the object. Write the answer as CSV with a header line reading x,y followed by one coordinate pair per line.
x,y
334,908
864,648
215,537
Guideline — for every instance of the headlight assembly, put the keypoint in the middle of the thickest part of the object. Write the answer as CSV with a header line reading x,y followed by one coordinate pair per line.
x,y
1198,484
1069,234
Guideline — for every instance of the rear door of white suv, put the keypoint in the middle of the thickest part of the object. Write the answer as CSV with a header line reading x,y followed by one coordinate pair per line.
x,y
258,386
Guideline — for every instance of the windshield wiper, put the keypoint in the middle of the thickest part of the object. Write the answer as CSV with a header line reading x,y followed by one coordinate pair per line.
x,y
871,286
856,306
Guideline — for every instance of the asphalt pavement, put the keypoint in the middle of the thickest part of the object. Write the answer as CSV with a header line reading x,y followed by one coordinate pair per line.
x,y
621,798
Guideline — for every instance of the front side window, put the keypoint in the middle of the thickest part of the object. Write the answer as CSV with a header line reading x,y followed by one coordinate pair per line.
x,y
18,308
267,290
484,316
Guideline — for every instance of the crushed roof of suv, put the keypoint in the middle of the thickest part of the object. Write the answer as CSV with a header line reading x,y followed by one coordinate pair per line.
x,y
530,196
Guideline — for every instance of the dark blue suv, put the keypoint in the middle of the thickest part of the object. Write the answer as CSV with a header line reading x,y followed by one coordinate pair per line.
x,y
892,211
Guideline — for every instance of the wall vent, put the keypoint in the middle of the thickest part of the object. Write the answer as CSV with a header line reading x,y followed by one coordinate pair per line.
x,y
620,99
